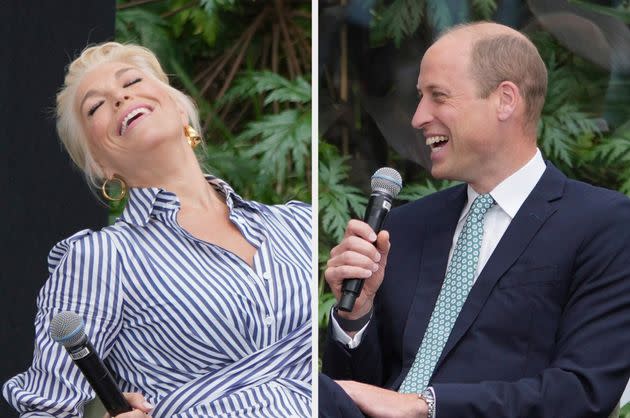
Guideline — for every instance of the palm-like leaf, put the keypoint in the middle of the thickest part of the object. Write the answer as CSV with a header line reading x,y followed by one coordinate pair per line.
x,y
252,83
326,302
285,139
416,191
336,200
439,14
399,20
484,8
622,11
145,28
560,132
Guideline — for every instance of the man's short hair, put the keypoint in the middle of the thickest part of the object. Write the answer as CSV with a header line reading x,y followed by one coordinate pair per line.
x,y
498,57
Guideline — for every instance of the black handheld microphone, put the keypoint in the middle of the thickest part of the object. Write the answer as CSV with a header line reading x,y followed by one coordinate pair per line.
x,y
67,329
386,184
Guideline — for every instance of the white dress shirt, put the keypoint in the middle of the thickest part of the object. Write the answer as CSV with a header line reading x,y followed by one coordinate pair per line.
x,y
509,196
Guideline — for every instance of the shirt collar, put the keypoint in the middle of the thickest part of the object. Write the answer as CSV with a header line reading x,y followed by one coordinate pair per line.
x,y
512,192
146,201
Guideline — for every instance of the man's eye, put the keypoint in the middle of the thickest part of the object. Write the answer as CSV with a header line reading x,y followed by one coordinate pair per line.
x,y
94,108
134,81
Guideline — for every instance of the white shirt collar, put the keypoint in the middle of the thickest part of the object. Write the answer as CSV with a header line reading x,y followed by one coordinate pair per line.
x,y
512,192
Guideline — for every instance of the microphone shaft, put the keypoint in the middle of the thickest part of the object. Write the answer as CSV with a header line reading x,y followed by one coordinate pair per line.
x,y
377,209
99,377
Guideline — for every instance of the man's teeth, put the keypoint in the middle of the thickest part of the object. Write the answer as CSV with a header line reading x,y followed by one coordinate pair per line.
x,y
435,139
130,116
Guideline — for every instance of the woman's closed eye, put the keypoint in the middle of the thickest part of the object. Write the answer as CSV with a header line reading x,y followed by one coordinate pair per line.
x,y
134,81
94,108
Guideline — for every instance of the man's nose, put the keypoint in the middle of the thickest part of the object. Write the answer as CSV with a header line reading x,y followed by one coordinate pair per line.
x,y
423,115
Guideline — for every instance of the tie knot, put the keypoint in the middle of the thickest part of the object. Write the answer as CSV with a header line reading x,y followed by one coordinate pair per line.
x,y
482,203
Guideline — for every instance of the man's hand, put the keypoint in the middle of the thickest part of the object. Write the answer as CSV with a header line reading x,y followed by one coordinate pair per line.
x,y
356,258
382,403
141,407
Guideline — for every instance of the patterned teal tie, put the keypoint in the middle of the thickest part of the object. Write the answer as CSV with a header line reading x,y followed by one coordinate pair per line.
x,y
455,289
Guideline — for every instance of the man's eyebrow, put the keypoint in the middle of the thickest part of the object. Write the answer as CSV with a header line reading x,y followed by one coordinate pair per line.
x,y
91,93
432,87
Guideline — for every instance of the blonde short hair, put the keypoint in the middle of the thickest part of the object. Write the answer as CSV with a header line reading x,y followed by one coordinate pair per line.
x,y
68,124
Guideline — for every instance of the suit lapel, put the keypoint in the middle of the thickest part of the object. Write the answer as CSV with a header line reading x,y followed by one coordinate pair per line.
x,y
432,268
529,219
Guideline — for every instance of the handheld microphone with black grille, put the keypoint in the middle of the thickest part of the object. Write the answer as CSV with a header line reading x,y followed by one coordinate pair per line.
x,y
67,329
386,184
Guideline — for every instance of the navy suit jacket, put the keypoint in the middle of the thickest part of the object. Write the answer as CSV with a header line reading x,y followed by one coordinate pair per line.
x,y
545,330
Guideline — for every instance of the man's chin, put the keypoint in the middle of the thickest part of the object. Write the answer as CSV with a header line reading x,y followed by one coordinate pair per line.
x,y
439,172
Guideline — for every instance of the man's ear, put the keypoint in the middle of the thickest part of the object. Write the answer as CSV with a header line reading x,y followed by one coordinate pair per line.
x,y
508,96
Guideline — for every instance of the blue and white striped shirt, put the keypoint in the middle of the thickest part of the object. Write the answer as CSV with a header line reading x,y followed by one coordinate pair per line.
x,y
188,324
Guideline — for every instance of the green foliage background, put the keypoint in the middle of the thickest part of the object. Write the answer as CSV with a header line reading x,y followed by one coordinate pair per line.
x,y
247,65
584,131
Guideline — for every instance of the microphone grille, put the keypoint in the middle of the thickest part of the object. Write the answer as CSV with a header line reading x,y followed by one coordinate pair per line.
x,y
67,329
387,180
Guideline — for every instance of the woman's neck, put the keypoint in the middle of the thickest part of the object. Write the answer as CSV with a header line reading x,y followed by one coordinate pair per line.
x,y
183,177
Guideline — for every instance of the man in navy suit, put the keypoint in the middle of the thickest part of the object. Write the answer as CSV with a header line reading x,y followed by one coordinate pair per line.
x,y
537,322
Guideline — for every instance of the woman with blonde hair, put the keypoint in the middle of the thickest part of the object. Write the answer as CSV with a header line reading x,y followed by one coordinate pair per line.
x,y
195,297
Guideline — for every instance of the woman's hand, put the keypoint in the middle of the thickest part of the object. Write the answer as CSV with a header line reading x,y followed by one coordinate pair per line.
x,y
141,407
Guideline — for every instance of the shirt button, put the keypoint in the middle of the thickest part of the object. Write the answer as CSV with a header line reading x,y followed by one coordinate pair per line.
x,y
268,320
266,275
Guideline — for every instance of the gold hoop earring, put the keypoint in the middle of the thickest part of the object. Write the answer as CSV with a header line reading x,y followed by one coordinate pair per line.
x,y
123,189
192,136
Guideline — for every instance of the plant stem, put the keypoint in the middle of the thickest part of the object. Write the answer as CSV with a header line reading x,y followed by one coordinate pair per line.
x,y
188,5
135,3
293,65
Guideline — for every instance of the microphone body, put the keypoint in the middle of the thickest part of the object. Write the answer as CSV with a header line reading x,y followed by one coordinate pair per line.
x,y
67,329
386,184
377,209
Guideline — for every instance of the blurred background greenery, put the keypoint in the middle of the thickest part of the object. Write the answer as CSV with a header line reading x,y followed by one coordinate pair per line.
x,y
369,56
247,65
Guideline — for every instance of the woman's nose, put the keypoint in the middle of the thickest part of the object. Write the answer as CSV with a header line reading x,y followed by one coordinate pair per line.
x,y
121,99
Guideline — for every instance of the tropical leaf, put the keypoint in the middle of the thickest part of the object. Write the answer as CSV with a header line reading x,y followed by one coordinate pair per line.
x,y
614,150
484,8
252,83
418,190
213,6
146,28
613,153
204,24
560,132
622,12
439,14
399,20
337,201
326,302
284,138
